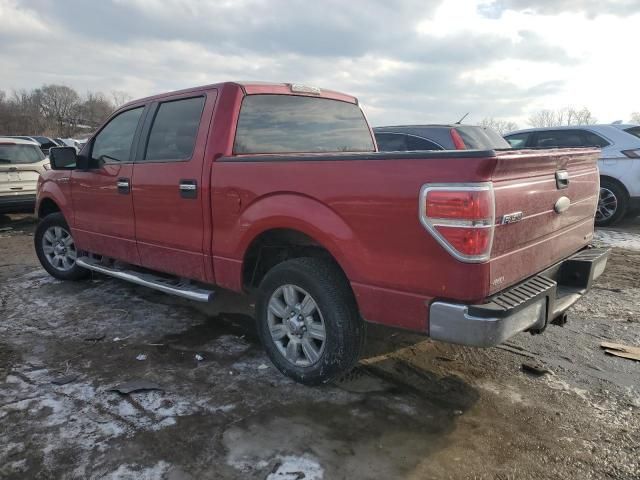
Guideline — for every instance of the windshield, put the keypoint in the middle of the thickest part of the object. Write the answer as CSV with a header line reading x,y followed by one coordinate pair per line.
x,y
14,153
635,131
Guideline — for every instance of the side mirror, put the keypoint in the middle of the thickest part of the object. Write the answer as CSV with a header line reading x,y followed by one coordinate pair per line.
x,y
63,158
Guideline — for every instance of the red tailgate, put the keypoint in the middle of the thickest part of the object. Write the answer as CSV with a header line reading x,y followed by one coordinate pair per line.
x,y
545,205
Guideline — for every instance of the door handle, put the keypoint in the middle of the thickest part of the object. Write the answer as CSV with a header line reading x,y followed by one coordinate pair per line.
x,y
123,185
188,189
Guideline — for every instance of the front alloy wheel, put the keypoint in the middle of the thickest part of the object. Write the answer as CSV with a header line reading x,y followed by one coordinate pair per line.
x,y
59,248
56,248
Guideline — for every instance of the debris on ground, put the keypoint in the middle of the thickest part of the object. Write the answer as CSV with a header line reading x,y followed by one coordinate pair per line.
x,y
132,386
64,379
199,357
141,357
95,338
536,369
263,366
620,350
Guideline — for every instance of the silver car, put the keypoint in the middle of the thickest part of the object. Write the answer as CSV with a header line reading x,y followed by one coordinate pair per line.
x,y
619,161
21,163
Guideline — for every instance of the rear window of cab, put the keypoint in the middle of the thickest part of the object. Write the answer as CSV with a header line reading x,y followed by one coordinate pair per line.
x,y
13,153
299,124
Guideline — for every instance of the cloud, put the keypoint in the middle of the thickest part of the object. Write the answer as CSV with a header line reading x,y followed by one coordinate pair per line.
x,y
591,8
407,61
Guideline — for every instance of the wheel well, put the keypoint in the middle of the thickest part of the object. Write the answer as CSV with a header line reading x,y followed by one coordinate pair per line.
x,y
616,181
47,207
276,246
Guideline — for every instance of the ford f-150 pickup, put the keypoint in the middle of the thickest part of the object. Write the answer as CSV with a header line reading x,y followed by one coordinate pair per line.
x,y
277,190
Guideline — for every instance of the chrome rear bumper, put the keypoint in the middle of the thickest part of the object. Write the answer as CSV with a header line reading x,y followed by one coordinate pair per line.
x,y
530,305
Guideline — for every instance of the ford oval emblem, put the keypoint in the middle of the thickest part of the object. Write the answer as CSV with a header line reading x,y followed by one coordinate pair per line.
x,y
562,204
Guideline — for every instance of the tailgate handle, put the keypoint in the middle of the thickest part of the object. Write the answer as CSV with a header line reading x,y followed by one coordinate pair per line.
x,y
562,179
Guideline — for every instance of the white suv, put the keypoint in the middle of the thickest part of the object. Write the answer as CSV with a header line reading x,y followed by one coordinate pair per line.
x,y
619,161
21,163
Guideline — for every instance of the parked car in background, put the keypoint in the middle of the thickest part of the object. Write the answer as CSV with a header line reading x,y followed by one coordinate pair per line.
x,y
467,246
21,163
400,138
619,161
45,143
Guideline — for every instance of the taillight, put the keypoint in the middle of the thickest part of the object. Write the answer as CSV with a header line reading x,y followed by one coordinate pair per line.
x,y
460,217
632,153
458,142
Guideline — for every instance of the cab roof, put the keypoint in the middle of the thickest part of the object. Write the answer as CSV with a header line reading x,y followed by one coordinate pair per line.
x,y
254,88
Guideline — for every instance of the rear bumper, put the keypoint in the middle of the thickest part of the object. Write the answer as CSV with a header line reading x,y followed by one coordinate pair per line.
x,y
530,305
17,203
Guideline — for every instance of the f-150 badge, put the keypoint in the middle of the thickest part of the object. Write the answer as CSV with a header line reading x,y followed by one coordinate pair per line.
x,y
511,218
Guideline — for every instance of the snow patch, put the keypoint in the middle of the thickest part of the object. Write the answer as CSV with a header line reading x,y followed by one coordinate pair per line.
x,y
136,472
618,239
293,468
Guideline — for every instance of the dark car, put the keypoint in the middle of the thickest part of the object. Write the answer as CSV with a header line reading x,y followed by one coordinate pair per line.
x,y
399,138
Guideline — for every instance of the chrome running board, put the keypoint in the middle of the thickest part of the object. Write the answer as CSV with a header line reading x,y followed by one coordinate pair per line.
x,y
148,280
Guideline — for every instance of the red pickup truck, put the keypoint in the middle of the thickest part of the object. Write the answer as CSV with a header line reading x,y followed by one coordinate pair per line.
x,y
278,190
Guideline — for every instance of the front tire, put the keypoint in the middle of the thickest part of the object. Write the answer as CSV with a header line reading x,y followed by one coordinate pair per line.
x,y
612,203
308,320
56,248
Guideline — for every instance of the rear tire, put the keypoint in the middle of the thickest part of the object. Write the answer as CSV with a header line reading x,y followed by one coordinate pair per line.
x,y
612,203
56,249
308,320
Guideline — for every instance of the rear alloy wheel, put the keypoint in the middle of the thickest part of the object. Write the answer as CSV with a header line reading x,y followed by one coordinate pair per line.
x,y
296,325
308,320
612,203
56,248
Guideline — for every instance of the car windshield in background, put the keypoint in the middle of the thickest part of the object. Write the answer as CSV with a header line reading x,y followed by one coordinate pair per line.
x,y
478,138
635,131
14,153
295,124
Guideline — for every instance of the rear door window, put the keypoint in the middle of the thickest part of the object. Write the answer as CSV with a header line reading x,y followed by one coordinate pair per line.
x,y
569,138
518,140
113,143
391,142
298,124
174,130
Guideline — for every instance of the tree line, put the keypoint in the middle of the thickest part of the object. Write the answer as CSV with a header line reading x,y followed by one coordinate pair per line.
x,y
550,118
55,111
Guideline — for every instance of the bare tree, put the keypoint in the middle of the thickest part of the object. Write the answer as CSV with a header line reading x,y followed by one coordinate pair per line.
x,y
60,106
54,110
564,116
120,98
500,126
95,109
635,117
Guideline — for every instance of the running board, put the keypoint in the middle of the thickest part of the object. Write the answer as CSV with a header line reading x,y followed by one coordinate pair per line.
x,y
148,280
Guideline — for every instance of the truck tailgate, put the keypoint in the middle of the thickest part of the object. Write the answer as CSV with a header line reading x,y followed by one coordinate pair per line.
x,y
545,202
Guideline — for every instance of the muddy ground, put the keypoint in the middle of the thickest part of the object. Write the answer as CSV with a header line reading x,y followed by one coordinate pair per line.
x,y
414,409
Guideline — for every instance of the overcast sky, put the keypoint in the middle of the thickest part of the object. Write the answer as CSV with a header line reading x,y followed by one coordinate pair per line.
x,y
408,61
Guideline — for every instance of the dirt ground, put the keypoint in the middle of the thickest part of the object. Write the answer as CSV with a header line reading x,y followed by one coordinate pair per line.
x,y
413,409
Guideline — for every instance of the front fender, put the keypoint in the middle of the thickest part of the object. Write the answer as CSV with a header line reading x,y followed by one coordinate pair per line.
x,y
56,186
